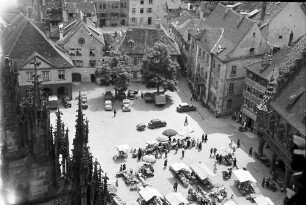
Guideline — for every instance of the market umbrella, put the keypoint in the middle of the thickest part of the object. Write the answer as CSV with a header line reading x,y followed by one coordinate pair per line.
x,y
162,138
244,175
151,142
225,151
149,158
170,132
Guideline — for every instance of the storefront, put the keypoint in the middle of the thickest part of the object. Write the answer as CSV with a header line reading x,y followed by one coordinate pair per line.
x,y
248,119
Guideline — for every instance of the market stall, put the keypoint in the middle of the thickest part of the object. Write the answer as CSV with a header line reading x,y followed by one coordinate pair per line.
x,y
203,174
245,182
150,195
176,198
182,172
262,200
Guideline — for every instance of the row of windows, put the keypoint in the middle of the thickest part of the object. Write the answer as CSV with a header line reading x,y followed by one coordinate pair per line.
x,y
79,63
250,104
113,6
78,52
45,75
135,61
134,20
141,10
257,79
253,91
149,1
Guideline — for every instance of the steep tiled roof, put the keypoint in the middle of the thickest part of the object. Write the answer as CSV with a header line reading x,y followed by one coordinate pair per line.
x,y
22,38
143,38
52,9
290,100
235,28
282,60
85,7
73,27
207,37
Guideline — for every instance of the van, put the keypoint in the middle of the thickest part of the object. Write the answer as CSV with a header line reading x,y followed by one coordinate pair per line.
x,y
52,102
159,99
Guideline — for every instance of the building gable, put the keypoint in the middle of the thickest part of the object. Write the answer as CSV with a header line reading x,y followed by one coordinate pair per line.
x,y
252,40
44,63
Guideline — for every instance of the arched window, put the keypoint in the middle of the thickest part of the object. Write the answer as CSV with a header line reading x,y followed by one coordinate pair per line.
x,y
130,43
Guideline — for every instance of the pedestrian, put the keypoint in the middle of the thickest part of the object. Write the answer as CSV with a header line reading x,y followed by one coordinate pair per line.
x,y
141,94
211,152
235,162
166,153
198,142
215,151
176,149
263,182
234,150
175,186
203,138
115,112
183,153
124,167
231,144
121,168
117,183
165,162
251,151
238,143
186,121
215,167
200,146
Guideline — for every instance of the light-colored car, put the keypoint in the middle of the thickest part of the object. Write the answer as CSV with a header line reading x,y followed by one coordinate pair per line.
x,y
108,105
126,105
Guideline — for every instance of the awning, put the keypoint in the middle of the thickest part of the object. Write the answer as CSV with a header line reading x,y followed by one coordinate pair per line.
x,y
244,175
202,171
148,193
262,200
176,198
249,114
179,166
123,148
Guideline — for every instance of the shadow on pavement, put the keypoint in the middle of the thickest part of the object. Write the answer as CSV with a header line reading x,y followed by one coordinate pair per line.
x,y
96,104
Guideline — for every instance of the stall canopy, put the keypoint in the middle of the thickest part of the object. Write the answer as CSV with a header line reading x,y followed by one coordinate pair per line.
x,y
148,193
230,203
262,200
244,175
176,198
123,148
179,166
202,171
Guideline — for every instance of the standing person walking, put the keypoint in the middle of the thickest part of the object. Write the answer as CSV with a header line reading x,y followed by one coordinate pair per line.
x,y
203,138
115,112
251,151
165,163
183,153
200,146
175,186
215,151
186,121
211,152
238,143
263,182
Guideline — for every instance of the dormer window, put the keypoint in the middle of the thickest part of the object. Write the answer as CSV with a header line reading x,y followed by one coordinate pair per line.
x,y
130,43
252,51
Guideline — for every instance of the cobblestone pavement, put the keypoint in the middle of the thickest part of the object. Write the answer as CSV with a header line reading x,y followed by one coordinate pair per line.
x,y
107,131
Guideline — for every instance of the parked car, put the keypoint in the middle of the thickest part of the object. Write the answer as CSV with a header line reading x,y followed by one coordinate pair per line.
x,y
121,95
132,94
52,102
141,127
108,95
156,123
108,105
159,99
148,97
185,107
84,98
126,105
66,104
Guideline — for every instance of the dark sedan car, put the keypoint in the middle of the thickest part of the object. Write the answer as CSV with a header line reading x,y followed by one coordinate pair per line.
x,y
108,95
148,97
185,107
132,94
156,123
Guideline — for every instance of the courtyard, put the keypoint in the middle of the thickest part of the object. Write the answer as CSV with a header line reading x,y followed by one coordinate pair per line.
x,y
107,131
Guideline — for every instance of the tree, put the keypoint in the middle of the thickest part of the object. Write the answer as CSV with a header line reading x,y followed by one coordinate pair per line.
x,y
113,71
158,68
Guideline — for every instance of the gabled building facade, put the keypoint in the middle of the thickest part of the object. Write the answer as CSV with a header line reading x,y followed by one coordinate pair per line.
x,y
136,41
281,114
232,41
84,43
280,22
23,41
72,8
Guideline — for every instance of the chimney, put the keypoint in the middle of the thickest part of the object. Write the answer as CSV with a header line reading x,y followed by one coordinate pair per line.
x,y
290,38
84,18
48,28
263,12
